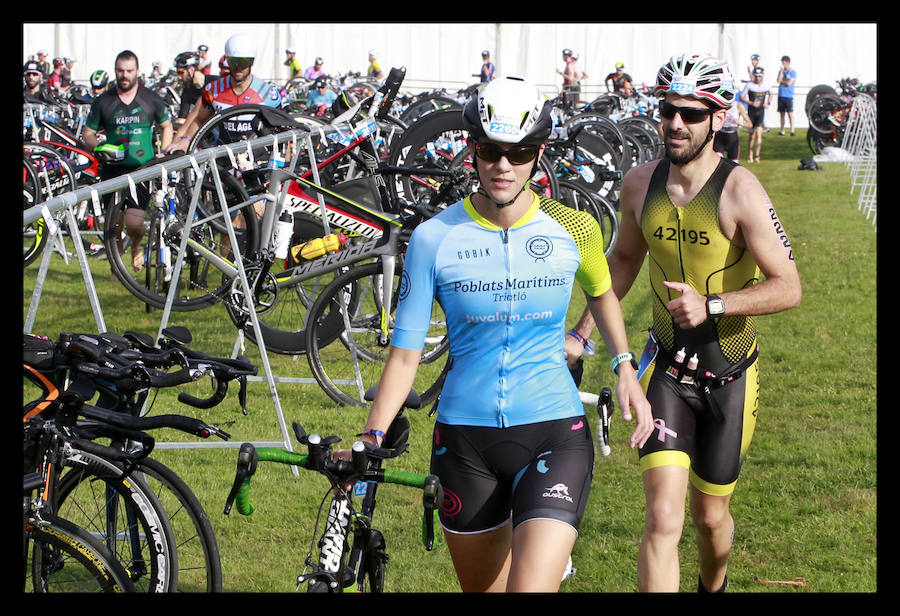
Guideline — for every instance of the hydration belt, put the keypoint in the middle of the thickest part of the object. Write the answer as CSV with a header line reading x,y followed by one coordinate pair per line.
x,y
703,379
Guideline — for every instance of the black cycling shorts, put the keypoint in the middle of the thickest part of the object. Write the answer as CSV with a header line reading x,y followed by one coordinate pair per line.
x,y
688,432
535,471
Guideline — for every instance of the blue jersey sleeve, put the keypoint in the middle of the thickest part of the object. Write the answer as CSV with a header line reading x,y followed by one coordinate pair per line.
x,y
417,288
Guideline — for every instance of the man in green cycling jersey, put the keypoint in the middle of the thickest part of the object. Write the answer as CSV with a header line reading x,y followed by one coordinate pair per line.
x,y
127,114
710,230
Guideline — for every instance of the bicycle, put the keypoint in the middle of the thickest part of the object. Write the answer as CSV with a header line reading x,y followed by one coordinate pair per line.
x,y
60,556
122,391
352,553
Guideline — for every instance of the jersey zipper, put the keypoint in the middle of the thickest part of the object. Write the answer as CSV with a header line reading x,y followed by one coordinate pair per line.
x,y
503,381
678,213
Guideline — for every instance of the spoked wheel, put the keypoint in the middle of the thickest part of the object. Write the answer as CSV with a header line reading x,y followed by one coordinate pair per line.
x,y
199,282
579,197
350,362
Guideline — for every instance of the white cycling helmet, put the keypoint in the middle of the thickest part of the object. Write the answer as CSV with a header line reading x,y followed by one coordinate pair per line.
x,y
508,110
699,76
240,46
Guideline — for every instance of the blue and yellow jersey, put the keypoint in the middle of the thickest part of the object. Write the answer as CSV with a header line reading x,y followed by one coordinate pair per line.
x,y
505,294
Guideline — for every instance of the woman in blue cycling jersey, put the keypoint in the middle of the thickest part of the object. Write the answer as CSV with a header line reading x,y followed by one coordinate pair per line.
x,y
511,444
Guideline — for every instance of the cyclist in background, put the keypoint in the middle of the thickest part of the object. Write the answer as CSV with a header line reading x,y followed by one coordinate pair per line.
x,y
127,114
193,81
315,71
239,87
620,80
321,97
204,62
706,288
374,70
487,67
99,82
511,445
36,91
756,95
293,64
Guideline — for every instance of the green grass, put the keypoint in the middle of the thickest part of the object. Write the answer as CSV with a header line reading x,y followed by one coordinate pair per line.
x,y
805,505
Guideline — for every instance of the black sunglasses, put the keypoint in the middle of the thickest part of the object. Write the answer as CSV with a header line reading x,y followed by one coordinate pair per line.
x,y
689,115
517,155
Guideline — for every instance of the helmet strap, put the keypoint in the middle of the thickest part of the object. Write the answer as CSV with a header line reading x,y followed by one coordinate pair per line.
x,y
502,204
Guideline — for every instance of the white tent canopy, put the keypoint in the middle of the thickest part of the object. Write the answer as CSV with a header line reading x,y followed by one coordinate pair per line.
x,y
447,55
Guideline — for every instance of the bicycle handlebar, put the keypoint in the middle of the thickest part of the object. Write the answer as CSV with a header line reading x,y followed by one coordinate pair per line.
x,y
339,473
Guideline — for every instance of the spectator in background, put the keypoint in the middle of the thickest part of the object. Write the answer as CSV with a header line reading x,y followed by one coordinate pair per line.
x,y
66,72
754,63
374,70
155,74
570,86
487,67
223,66
205,62
293,64
44,65
54,81
787,77
315,71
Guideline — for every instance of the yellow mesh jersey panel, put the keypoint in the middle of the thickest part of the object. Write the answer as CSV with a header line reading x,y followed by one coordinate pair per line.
x,y
593,275
687,245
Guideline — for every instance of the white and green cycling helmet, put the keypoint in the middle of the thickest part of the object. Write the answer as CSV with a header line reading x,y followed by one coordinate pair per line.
x,y
699,76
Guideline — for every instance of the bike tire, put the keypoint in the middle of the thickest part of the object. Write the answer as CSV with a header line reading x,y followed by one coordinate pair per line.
x,y
199,284
34,234
579,197
63,557
93,495
199,561
822,111
331,357
601,126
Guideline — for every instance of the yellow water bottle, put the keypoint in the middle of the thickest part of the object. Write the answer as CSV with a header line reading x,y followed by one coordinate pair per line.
x,y
318,247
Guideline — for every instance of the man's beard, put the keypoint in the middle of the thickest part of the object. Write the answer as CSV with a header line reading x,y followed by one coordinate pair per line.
x,y
126,85
687,155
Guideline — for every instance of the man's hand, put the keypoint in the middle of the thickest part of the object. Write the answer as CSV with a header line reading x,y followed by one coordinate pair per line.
x,y
689,310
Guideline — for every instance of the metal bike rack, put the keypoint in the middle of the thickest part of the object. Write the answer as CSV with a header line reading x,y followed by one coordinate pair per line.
x,y
205,157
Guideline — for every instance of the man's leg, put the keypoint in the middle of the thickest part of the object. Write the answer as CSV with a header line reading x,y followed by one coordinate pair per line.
x,y
715,532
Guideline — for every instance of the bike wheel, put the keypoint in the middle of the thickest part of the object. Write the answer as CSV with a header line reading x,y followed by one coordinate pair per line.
x,y
199,562
601,126
34,234
199,283
826,113
125,515
347,364
433,142
375,562
63,557
578,197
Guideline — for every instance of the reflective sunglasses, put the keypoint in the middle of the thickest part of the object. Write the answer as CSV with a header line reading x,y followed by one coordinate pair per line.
x,y
689,115
517,155
239,64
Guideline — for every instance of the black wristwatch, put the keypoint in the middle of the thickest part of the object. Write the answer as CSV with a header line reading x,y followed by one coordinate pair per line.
x,y
715,306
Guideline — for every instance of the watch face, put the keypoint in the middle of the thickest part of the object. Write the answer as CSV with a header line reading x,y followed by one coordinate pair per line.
x,y
715,307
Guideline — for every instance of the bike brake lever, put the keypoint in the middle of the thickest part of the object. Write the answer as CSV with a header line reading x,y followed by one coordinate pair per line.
x,y
432,495
246,467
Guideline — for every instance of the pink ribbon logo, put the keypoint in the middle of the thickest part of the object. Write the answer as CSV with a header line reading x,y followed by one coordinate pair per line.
x,y
663,430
